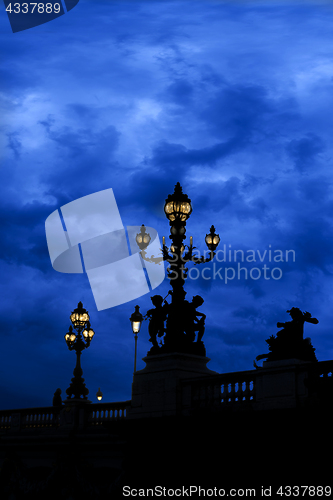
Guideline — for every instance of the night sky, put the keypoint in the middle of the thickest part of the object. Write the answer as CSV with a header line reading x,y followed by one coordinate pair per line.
x,y
233,100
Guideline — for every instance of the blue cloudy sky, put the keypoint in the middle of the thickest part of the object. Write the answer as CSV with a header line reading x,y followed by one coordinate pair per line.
x,y
234,100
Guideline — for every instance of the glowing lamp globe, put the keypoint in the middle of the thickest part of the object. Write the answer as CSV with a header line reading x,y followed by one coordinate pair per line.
x,y
79,316
88,333
136,320
99,394
142,239
178,205
212,239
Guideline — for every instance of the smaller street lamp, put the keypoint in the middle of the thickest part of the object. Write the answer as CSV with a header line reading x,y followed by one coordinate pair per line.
x,y
75,341
99,394
142,238
212,239
136,320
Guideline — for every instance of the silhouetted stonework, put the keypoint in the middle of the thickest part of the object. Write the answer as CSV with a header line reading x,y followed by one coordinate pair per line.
x,y
288,342
182,322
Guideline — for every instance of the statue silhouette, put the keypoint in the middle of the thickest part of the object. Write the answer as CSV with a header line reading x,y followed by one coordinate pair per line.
x,y
192,323
57,401
289,342
157,317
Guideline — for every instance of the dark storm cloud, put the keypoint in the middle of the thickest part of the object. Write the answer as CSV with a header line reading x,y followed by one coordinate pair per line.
x,y
305,151
179,92
84,159
237,109
79,143
23,240
173,156
15,145
83,112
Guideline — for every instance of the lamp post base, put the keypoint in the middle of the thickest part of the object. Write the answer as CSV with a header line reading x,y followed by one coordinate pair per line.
x,y
75,401
157,390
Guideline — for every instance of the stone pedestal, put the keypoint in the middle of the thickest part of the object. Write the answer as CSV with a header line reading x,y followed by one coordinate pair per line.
x,y
155,389
280,384
73,414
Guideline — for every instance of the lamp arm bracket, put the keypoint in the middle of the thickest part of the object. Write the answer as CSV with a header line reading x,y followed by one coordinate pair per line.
x,y
203,260
155,260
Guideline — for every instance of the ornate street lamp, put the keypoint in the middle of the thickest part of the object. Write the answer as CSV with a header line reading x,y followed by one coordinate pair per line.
x,y
142,240
75,341
136,320
181,317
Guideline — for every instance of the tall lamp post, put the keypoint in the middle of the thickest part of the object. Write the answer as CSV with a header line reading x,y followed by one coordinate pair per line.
x,y
181,320
78,342
136,320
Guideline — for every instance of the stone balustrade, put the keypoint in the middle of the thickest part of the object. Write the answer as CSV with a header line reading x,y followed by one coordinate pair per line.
x,y
50,416
100,413
227,389
28,418
275,385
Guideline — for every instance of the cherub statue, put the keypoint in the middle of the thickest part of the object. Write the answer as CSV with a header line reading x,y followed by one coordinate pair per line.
x,y
57,401
157,317
192,323
289,342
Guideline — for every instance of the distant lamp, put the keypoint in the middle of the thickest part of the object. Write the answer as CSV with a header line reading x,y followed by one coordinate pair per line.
x,y
99,394
178,205
136,320
212,239
142,238
78,341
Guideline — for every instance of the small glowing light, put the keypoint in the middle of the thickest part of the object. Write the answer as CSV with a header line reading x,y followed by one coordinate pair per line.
x,y
136,326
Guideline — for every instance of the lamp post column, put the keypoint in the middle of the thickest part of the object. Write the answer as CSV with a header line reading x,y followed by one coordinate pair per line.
x,y
135,350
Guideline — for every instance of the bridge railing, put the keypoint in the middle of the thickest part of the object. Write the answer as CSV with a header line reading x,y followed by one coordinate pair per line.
x,y
28,418
236,389
319,381
51,416
100,413
239,390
